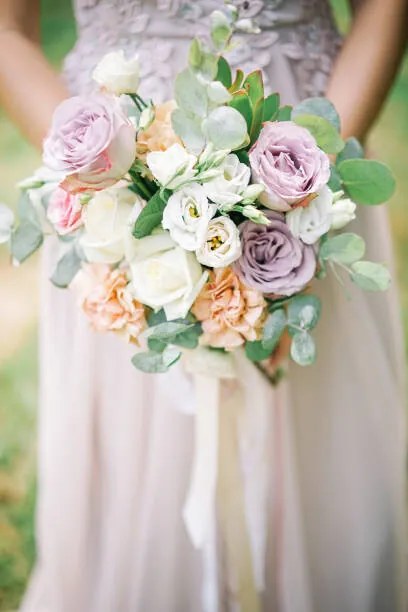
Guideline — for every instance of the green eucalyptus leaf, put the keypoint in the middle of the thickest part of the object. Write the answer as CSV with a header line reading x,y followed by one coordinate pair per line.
x,y
284,113
352,150
221,30
226,128
151,215
303,312
367,181
303,349
156,317
271,107
254,86
152,362
242,104
189,338
344,248
324,132
320,107
224,72
334,183
188,128
191,94
67,268
167,331
273,329
370,276
255,351
25,240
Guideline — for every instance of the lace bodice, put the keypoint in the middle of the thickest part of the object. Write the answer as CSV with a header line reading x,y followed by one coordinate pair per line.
x,y
298,41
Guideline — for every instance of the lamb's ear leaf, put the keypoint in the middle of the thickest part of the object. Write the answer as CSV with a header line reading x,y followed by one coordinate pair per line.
x,y
25,240
67,268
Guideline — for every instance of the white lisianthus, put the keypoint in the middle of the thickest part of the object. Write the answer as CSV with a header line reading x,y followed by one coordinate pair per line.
x,y
6,223
343,211
164,275
222,245
311,222
186,216
173,167
229,186
116,74
108,219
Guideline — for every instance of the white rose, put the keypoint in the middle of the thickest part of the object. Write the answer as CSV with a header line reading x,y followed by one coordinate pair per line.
x,y
6,223
311,222
228,188
186,216
222,245
117,74
164,275
108,219
172,167
343,211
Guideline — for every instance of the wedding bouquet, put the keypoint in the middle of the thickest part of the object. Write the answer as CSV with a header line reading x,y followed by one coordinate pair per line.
x,y
203,221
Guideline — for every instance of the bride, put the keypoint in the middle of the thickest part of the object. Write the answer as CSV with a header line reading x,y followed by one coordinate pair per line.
x,y
116,446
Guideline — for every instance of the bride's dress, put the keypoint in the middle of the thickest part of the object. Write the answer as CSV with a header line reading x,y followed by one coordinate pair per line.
x,y
116,445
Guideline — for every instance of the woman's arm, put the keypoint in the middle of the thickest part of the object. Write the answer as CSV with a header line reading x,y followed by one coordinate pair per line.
x,y
368,62
29,88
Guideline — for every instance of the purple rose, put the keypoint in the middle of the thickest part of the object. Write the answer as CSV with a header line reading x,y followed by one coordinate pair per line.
x,y
288,162
273,261
91,141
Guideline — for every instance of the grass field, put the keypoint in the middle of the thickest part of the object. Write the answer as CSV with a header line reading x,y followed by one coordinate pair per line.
x,y
18,362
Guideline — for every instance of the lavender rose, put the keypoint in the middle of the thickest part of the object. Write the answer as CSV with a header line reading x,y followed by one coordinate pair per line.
x,y
273,261
288,162
91,141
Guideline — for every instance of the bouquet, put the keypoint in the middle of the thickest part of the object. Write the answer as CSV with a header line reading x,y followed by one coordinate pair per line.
x,y
204,221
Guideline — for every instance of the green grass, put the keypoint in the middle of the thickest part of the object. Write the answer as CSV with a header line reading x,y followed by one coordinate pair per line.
x,y
18,380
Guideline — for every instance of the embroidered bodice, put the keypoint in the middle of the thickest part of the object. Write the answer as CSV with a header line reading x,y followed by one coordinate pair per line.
x,y
298,40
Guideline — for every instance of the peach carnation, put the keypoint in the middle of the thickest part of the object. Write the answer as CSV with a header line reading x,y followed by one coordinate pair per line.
x,y
160,135
109,304
230,312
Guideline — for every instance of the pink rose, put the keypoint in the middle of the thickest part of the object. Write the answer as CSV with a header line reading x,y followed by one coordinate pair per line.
x,y
91,141
64,211
288,162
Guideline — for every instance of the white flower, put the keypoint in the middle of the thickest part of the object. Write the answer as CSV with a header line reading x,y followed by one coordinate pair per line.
x,y
173,167
186,216
228,188
222,245
164,275
6,223
117,74
311,222
343,211
108,219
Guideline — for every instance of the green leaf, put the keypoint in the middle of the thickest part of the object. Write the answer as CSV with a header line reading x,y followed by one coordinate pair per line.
x,y
155,318
254,86
188,128
236,84
255,351
271,107
221,30
226,128
367,181
304,312
26,210
303,349
257,121
320,107
166,332
224,72
352,150
67,268
189,338
242,104
195,54
344,248
191,94
284,113
324,132
370,276
25,240
334,183
151,215
152,362
273,329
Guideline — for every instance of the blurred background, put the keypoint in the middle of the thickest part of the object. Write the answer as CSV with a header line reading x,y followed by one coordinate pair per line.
x,y
19,300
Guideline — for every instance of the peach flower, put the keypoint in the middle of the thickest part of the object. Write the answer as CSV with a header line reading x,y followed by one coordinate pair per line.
x,y
160,135
230,312
109,304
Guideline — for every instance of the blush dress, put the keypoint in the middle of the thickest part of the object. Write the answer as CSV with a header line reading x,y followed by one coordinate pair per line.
x,y
326,447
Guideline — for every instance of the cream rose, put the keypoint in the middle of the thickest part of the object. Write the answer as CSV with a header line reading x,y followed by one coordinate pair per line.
x,y
309,223
116,74
343,211
164,275
228,188
107,219
222,244
186,216
173,167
